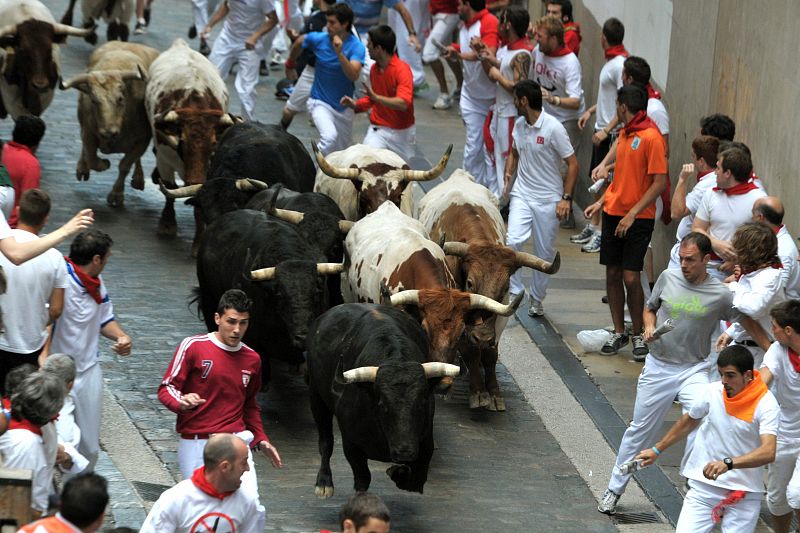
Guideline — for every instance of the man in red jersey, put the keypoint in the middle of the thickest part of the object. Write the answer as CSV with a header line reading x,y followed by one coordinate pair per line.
x,y
211,384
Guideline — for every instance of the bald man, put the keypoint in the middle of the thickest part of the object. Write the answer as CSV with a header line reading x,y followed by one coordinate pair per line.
x,y
769,211
210,500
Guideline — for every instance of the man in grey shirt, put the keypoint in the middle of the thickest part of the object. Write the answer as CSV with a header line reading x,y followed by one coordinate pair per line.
x,y
679,361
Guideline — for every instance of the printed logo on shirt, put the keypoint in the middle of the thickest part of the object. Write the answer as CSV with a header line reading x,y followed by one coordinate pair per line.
x,y
636,142
207,364
690,306
246,377
213,522
539,140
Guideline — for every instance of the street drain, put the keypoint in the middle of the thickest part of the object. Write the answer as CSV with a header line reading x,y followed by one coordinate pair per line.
x,y
149,491
637,518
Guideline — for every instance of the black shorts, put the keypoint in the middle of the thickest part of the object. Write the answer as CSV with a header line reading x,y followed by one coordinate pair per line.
x,y
628,251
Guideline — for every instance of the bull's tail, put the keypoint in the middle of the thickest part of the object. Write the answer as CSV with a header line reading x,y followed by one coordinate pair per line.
x,y
197,298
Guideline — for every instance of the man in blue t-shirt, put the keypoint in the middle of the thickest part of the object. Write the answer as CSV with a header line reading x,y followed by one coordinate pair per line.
x,y
339,56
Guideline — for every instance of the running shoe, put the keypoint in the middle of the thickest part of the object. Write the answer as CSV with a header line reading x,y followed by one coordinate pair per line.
x,y
614,344
445,101
640,349
204,48
192,31
593,246
536,309
608,505
421,88
141,27
584,236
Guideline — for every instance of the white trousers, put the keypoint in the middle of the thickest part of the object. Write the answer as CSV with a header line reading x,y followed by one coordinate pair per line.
x,y
335,127
421,19
7,200
501,128
657,387
476,160
695,517
88,395
225,52
443,26
200,11
190,458
783,480
529,217
302,90
401,142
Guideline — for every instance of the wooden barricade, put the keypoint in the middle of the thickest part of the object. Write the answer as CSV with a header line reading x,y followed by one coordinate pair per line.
x,y
15,496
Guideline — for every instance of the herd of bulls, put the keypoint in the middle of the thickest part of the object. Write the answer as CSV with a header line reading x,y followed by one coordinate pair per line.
x,y
379,297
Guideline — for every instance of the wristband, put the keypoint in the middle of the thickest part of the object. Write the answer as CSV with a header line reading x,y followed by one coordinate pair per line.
x,y
290,63
656,451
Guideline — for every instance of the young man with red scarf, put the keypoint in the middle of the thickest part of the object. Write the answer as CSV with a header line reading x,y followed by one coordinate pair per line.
x,y
210,500
562,10
726,207
738,422
88,313
782,370
510,66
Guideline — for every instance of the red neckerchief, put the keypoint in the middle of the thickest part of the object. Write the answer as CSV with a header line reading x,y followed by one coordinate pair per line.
x,y
478,16
560,51
92,285
6,401
795,360
200,481
652,93
639,122
739,188
719,510
617,50
523,43
24,424
703,175
778,229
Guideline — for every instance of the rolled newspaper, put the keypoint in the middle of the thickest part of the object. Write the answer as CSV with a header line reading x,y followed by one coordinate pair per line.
x,y
668,325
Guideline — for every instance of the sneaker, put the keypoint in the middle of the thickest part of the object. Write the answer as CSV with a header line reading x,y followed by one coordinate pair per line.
x,y
421,88
457,94
262,68
204,48
140,28
192,31
593,246
640,349
584,236
445,101
614,344
536,309
608,505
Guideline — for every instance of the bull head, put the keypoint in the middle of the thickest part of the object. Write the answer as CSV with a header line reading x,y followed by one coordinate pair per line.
x,y
368,374
323,269
461,249
476,301
354,173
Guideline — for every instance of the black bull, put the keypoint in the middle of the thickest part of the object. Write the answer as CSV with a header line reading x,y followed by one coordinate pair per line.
x,y
367,365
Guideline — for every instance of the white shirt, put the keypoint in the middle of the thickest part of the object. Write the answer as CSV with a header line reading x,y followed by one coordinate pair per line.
x,y
77,331
658,114
787,251
246,16
693,200
5,229
786,388
68,431
754,295
504,104
21,448
542,148
721,435
30,286
184,508
725,213
561,76
477,91
610,82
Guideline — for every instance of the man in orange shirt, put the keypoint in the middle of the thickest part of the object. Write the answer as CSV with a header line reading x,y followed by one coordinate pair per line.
x,y
82,508
629,213
389,97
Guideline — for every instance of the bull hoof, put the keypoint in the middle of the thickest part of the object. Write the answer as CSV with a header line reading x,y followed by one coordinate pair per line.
x,y
401,475
82,175
137,181
323,493
115,199
483,399
168,229
496,403
474,400
91,38
101,165
67,18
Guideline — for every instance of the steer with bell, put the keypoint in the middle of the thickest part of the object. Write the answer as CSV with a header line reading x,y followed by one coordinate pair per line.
x,y
368,366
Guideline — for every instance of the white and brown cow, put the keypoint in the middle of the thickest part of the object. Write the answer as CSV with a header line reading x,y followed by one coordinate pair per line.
x,y
111,112
390,249
29,56
466,215
186,102
361,178
116,13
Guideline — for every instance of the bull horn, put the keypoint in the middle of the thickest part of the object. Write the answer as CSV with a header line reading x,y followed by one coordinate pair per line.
x,y
226,120
10,29
262,274
435,172
170,116
456,248
142,72
324,269
330,170
537,263
440,370
295,217
362,374
345,225
63,29
409,297
249,184
132,74
479,301
181,192
72,82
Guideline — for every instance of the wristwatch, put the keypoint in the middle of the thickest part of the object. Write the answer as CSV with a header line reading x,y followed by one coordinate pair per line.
x,y
567,197
728,462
